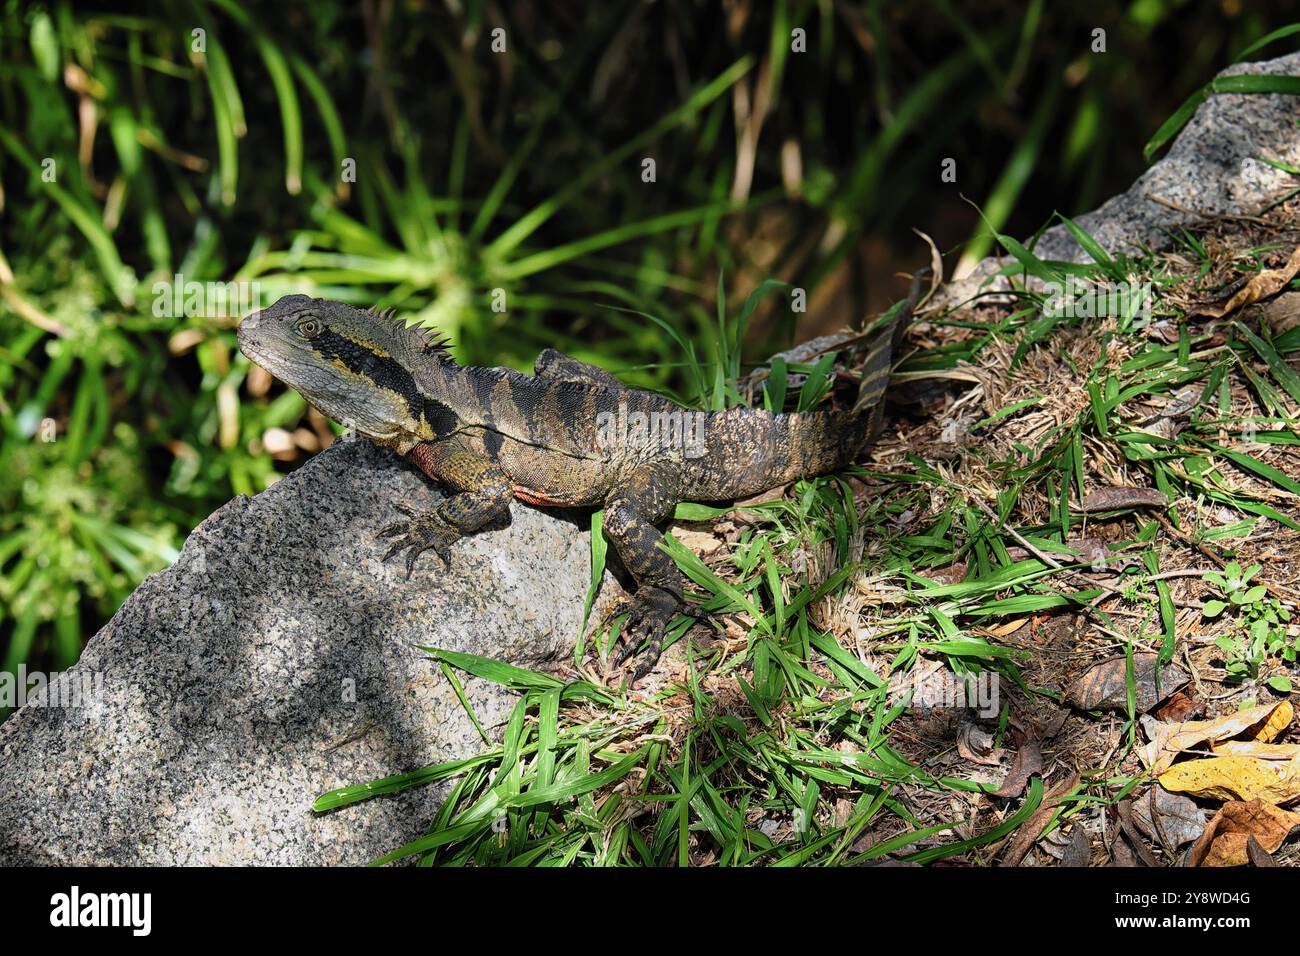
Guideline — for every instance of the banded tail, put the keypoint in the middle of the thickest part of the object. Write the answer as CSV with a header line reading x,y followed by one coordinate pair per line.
x,y
879,357
825,441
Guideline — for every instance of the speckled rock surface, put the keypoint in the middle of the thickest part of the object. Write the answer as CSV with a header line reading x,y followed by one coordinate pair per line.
x,y
276,660
1214,167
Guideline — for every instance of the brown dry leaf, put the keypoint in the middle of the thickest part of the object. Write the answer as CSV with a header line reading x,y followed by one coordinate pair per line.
x,y
1262,723
1078,851
1027,834
1236,778
976,745
1179,708
1050,722
952,574
1130,831
1104,686
1028,761
1121,854
702,543
1010,627
1282,313
1257,855
1113,499
1224,841
1260,286
1169,819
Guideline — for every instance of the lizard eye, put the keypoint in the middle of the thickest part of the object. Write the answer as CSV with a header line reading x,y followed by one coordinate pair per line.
x,y
308,326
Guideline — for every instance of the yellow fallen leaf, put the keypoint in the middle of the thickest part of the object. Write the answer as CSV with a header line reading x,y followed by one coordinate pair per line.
x,y
1253,748
1262,723
1223,843
1236,778
1277,723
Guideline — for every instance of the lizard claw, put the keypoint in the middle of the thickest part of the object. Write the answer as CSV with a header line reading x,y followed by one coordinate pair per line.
x,y
649,613
418,534
398,527
621,606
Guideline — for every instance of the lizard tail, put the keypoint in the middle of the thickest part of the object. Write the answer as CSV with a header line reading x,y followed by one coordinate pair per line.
x,y
878,359
822,442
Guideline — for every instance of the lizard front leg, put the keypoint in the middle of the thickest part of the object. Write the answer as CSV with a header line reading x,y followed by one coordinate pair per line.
x,y
483,494
632,510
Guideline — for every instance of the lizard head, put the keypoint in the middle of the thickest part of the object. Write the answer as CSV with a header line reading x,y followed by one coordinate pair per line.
x,y
353,365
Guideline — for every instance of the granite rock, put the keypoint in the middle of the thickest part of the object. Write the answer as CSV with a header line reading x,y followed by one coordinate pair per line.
x,y
1214,167
277,659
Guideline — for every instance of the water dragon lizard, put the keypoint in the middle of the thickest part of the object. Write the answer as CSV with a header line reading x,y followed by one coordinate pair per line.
x,y
493,434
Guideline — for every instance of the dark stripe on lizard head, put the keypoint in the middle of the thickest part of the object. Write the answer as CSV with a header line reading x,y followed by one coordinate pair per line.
x,y
384,372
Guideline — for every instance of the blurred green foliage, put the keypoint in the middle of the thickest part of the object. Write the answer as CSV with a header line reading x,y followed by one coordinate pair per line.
x,y
219,142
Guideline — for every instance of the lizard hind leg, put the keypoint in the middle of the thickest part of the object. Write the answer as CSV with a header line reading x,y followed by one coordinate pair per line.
x,y
633,508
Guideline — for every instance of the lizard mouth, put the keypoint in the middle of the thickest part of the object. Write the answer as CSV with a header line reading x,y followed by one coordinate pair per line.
x,y
246,335
257,342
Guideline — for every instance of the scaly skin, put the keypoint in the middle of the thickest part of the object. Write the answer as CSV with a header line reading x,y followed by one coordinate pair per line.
x,y
569,435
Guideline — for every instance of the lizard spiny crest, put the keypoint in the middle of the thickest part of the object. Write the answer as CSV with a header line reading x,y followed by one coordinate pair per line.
x,y
419,336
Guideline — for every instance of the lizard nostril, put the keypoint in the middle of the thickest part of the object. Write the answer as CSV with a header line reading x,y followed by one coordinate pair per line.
x,y
250,322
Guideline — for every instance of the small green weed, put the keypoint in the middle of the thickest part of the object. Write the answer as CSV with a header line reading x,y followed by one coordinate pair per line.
x,y
1258,622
